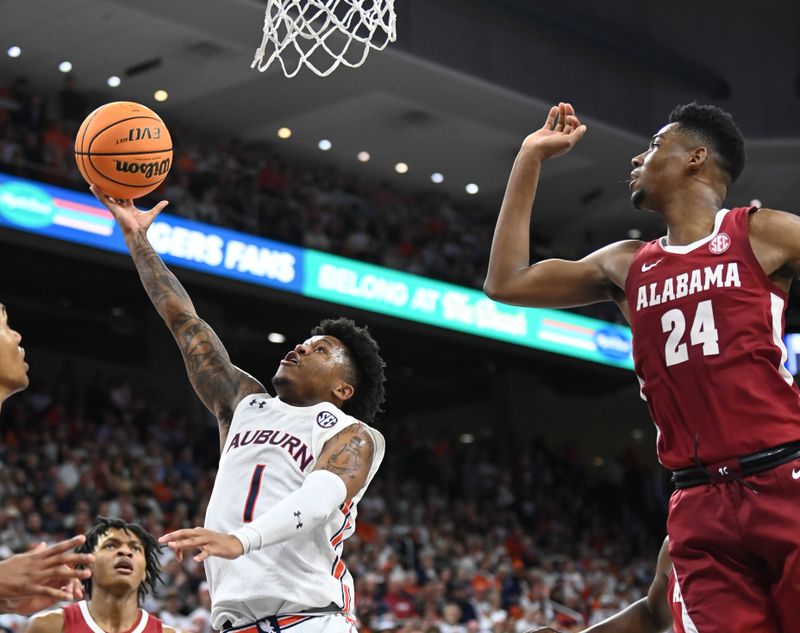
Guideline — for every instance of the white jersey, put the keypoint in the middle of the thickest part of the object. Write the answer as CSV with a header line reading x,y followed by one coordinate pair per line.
x,y
270,449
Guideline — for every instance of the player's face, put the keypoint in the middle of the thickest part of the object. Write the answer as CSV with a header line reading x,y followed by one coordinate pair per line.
x,y
120,562
658,170
13,368
313,370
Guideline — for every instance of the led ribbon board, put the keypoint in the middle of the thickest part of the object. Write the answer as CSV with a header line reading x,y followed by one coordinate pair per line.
x,y
78,218
416,298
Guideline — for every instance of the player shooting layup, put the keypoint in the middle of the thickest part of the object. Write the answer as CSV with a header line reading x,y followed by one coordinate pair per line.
x,y
705,304
292,469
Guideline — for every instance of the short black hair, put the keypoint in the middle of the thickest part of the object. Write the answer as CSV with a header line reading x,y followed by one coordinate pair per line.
x,y
716,127
368,376
152,549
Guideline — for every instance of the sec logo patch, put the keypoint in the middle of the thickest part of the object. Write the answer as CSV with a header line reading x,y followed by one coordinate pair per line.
x,y
720,244
326,419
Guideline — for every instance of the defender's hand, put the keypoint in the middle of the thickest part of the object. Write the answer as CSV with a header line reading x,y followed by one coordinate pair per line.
x,y
209,542
71,591
561,131
42,577
129,218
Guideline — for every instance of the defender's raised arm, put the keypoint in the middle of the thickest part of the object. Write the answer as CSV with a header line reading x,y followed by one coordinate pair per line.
x,y
551,283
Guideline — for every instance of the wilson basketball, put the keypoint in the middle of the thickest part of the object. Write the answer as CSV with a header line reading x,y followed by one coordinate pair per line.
x,y
124,148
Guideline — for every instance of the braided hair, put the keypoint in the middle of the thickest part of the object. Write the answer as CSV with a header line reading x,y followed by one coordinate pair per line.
x,y
151,551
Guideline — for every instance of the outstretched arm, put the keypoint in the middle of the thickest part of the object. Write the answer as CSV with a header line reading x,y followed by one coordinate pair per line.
x,y
554,283
218,383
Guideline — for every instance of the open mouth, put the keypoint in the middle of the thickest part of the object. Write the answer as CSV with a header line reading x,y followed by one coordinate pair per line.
x,y
124,567
291,359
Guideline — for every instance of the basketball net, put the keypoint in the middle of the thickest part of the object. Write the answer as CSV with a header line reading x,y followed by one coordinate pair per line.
x,y
332,31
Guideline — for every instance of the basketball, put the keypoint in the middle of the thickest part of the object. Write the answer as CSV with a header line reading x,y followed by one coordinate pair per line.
x,y
124,148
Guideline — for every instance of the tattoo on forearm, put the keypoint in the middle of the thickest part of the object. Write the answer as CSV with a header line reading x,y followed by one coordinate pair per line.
x,y
161,285
210,371
207,363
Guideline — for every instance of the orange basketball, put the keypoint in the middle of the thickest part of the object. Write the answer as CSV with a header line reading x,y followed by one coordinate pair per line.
x,y
124,148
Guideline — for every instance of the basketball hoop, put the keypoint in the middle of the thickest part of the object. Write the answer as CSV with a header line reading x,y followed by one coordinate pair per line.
x,y
332,32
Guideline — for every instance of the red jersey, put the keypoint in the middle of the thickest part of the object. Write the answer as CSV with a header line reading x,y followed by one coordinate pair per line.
x,y
708,346
77,619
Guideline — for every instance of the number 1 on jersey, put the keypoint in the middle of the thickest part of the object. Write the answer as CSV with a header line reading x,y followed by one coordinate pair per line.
x,y
252,494
703,332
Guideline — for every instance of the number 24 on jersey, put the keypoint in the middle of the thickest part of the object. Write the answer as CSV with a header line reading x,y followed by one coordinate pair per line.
x,y
703,332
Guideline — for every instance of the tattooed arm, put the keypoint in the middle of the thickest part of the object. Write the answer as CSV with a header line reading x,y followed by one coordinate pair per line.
x,y
348,454
218,383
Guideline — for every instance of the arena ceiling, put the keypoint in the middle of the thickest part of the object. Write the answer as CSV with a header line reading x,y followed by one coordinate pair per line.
x,y
465,82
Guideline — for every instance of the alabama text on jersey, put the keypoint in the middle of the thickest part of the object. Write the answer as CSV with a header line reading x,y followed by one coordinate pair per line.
x,y
708,346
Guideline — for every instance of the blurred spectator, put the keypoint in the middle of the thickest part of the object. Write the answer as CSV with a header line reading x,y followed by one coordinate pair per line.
x,y
199,620
170,611
399,602
73,104
451,619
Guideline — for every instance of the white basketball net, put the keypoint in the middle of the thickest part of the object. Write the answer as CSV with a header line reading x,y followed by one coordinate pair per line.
x,y
333,32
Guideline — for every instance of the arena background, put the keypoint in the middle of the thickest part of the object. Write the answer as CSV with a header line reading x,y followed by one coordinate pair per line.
x,y
464,83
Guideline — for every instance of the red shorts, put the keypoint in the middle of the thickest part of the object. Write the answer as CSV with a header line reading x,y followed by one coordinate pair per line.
x,y
737,553
675,599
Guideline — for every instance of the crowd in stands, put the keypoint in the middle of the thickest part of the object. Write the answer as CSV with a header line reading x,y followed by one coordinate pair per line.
x,y
499,535
251,188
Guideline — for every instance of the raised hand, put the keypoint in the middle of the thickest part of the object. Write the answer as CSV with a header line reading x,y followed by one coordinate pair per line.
x,y
209,542
219,383
42,577
561,131
129,218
